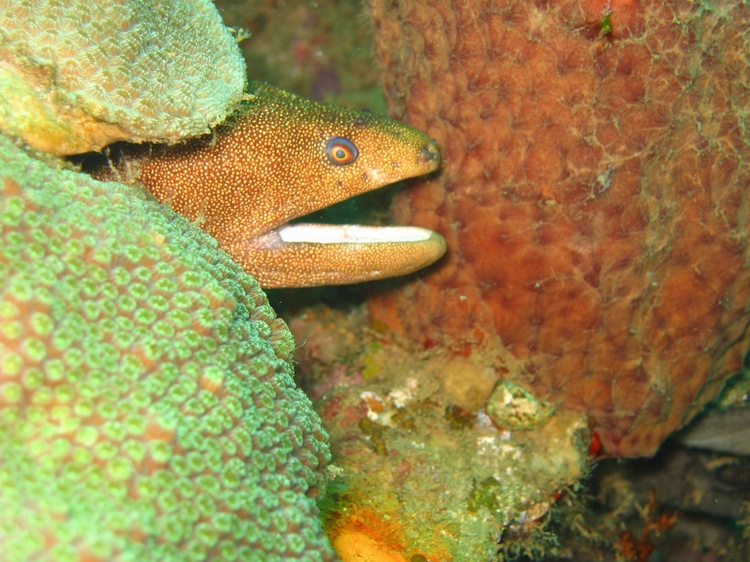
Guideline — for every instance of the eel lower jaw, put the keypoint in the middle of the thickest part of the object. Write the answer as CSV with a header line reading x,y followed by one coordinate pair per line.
x,y
309,255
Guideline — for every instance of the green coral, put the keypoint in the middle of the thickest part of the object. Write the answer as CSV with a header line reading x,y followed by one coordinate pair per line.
x,y
147,407
79,74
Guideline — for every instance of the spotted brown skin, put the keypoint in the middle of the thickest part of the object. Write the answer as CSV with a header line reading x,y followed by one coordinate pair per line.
x,y
280,157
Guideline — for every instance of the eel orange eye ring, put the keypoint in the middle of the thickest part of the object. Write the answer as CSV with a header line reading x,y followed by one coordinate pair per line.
x,y
341,151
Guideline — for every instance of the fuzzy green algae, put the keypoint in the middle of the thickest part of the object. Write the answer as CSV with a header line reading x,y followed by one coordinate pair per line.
x,y
147,407
422,470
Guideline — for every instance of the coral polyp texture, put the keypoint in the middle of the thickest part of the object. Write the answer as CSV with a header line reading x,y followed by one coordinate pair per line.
x,y
594,198
147,407
77,75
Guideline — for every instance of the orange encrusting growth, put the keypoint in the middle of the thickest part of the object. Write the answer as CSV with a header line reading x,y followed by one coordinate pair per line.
x,y
363,535
594,197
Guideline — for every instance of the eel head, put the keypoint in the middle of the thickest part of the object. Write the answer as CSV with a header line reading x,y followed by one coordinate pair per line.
x,y
280,157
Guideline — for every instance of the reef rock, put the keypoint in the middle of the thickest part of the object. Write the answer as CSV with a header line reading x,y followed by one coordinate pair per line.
x,y
594,198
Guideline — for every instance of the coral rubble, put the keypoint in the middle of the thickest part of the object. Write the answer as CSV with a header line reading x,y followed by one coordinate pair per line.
x,y
418,474
594,198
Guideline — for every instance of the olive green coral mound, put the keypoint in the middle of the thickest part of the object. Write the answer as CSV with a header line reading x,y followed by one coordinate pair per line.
x,y
147,408
76,75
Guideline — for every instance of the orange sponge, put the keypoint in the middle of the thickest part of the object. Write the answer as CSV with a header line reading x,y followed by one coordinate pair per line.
x,y
594,197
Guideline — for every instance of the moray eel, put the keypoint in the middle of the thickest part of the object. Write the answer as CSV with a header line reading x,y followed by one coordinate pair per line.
x,y
280,157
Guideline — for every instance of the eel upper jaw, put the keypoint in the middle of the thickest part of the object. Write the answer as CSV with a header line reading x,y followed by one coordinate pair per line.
x,y
308,255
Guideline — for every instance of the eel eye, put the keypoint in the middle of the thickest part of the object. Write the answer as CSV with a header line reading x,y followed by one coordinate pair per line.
x,y
341,151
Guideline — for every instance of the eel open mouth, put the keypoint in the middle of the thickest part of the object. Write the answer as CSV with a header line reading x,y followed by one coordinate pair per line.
x,y
323,254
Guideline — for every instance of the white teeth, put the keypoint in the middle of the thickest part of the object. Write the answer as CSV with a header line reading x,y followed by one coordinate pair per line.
x,y
351,234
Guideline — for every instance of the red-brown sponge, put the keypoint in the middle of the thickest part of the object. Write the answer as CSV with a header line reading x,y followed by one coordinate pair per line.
x,y
594,197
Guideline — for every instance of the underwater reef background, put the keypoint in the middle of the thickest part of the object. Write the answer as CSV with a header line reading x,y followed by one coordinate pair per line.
x,y
594,198
404,391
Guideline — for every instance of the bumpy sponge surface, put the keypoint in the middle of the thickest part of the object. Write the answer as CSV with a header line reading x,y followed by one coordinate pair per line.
x,y
594,198
147,408
150,69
